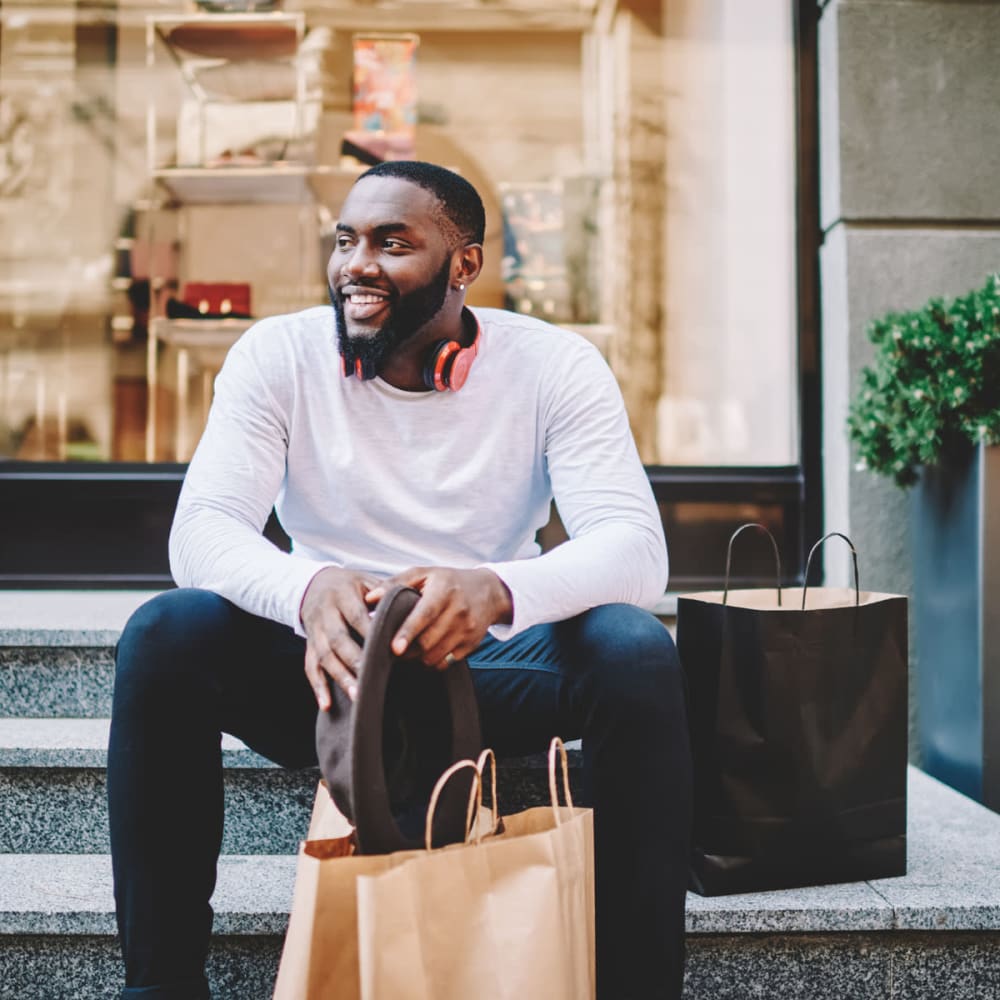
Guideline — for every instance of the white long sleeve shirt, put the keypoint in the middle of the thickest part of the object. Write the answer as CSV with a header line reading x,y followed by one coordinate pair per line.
x,y
374,478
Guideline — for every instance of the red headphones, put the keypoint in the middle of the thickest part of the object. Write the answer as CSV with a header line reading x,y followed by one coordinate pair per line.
x,y
447,365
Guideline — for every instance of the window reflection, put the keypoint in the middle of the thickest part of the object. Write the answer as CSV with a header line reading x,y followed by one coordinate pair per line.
x,y
638,172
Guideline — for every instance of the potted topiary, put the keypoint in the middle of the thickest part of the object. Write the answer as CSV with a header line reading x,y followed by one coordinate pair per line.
x,y
927,413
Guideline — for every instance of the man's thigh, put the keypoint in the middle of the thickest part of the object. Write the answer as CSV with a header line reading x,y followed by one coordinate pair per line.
x,y
266,700
523,689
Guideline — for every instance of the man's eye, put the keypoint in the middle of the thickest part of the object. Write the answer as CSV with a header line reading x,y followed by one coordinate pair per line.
x,y
343,242
394,245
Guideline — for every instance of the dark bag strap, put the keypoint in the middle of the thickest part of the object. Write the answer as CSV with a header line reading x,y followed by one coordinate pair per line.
x,y
729,559
854,556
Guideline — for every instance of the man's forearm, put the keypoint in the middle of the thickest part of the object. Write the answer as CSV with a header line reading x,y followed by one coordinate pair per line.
x,y
212,550
617,563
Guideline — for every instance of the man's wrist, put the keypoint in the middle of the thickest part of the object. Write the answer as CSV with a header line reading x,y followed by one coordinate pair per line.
x,y
503,601
305,592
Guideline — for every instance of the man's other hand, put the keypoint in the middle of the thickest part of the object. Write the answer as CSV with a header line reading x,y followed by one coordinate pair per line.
x,y
335,604
455,609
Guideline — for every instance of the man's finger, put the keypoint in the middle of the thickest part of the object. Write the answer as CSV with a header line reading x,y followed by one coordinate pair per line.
x,y
342,676
316,679
342,643
425,612
355,613
441,636
413,577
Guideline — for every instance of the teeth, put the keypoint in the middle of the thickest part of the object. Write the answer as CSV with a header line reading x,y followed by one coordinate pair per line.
x,y
364,300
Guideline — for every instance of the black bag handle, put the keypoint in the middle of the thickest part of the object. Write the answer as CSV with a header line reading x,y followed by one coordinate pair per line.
x,y
729,559
854,556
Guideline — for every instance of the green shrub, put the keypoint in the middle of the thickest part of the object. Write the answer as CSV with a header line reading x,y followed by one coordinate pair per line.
x,y
934,384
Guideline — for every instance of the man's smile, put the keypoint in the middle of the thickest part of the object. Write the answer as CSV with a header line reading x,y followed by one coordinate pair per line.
x,y
361,303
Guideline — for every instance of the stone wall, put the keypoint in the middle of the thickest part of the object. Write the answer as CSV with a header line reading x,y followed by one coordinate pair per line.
x,y
910,208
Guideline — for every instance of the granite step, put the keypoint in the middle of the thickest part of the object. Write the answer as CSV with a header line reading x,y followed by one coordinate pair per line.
x,y
53,787
58,936
57,651
933,934
54,792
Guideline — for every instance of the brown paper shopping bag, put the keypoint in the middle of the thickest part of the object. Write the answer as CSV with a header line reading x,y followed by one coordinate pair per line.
x,y
510,917
319,960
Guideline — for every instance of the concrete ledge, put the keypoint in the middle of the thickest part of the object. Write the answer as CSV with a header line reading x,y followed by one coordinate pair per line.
x,y
96,617
54,967
66,618
952,886
951,883
72,894
84,743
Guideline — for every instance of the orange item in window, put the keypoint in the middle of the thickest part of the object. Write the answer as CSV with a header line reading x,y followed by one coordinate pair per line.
x,y
217,297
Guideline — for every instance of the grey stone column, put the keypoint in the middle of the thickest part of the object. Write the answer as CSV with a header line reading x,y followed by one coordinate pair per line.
x,y
910,208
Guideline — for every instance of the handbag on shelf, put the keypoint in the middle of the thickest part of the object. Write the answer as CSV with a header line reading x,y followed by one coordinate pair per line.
x,y
798,719
211,300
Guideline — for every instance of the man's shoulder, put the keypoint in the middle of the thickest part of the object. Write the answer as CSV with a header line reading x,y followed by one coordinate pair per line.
x,y
520,332
306,323
287,334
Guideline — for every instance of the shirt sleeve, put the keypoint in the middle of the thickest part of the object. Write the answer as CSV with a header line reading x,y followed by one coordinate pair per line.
x,y
616,552
217,541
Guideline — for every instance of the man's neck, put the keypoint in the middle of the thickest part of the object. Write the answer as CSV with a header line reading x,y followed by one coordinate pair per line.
x,y
405,368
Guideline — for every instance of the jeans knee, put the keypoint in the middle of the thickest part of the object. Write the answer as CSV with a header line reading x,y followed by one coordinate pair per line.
x,y
631,660
166,637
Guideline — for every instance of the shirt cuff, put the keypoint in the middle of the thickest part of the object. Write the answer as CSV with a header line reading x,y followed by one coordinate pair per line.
x,y
518,621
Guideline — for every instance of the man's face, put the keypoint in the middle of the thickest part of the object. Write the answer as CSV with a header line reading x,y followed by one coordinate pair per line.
x,y
389,270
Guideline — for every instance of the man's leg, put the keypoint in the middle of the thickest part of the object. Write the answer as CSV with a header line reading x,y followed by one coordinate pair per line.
x,y
612,677
190,666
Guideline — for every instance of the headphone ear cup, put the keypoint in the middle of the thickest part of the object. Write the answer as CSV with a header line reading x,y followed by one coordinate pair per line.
x,y
437,367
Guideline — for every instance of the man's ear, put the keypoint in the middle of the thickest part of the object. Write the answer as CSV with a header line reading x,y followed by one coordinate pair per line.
x,y
469,263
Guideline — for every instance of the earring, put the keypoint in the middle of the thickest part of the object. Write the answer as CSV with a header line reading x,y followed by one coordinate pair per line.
x,y
461,286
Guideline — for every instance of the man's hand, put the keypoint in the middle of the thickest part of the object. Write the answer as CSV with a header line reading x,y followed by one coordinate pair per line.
x,y
455,609
334,603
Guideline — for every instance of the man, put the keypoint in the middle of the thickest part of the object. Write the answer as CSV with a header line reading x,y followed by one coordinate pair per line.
x,y
385,468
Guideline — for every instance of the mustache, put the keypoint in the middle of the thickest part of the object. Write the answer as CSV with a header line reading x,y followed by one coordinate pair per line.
x,y
362,283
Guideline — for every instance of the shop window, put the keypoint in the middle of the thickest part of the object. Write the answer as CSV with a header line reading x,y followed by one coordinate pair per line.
x,y
169,176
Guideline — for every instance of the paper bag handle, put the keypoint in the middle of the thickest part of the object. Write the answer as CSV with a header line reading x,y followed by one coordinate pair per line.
x,y
471,812
557,747
729,559
854,557
489,755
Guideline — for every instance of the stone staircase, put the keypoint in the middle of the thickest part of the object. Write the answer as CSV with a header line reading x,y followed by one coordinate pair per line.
x,y
932,934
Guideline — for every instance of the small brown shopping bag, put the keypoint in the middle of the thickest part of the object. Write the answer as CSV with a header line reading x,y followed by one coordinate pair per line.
x,y
319,960
509,916
320,956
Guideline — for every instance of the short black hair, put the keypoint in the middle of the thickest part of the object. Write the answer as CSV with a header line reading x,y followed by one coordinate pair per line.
x,y
460,201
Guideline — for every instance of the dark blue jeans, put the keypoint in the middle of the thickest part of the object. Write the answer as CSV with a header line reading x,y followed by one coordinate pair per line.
x,y
191,666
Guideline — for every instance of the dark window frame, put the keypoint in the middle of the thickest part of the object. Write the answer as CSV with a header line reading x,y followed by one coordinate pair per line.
x,y
74,525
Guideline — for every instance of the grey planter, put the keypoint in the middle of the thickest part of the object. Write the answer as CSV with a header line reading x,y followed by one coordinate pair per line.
x,y
956,548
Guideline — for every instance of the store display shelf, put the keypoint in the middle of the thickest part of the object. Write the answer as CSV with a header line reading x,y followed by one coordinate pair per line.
x,y
415,15
265,35
282,182
200,334
285,182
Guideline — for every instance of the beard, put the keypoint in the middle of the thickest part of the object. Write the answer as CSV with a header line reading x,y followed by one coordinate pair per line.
x,y
408,315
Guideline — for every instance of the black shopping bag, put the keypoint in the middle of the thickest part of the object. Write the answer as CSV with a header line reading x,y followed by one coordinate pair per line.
x,y
798,716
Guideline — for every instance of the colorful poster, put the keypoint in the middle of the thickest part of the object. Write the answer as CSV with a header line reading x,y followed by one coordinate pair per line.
x,y
385,95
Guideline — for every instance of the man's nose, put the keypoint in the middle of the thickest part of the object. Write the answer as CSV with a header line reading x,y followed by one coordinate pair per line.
x,y
359,261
